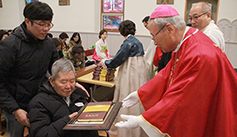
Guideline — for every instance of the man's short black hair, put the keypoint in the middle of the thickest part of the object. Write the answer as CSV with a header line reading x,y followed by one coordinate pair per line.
x,y
38,11
146,19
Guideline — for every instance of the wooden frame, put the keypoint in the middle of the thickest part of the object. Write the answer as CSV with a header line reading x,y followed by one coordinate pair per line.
x,y
64,2
112,14
112,6
110,22
92,126
214,12
165,2
0,3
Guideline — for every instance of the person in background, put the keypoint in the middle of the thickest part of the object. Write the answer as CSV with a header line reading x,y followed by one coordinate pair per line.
x,y
76,55
185,99
9,32
3,34
57,102
50,35
75,40
200,18
150,51
132,74
164,60
101,47
159,58
63,36
25,57
58,44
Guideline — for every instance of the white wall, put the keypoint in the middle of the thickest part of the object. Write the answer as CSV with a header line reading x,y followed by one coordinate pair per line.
x,y
11,14
84,16
79,16
227,9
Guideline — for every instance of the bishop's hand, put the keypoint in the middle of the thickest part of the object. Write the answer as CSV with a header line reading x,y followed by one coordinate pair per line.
x,y
131,121
130,100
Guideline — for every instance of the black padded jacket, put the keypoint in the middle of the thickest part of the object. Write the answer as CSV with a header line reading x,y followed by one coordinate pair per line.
x,y
49,113
24,61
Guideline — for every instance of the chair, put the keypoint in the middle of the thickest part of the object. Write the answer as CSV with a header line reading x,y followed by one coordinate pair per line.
x,y
89,52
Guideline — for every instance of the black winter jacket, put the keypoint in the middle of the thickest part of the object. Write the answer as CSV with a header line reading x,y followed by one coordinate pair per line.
x,y
24,61
49,113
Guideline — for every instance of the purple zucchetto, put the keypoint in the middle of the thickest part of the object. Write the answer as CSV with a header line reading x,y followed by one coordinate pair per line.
x,y
164,11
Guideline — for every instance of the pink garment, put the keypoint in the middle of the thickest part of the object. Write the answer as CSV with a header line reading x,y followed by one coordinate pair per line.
x,y
95,57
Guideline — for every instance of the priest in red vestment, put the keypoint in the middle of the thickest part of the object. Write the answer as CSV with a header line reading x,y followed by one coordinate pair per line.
x,y
195,95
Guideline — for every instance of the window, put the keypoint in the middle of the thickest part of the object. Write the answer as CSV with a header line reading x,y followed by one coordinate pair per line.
x,y
112,14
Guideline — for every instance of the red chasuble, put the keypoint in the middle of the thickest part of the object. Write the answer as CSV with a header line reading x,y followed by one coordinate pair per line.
x,y
195,95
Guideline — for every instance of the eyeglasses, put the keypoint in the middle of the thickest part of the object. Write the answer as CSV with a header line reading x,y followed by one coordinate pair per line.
x,y
152,37
195,17
48,25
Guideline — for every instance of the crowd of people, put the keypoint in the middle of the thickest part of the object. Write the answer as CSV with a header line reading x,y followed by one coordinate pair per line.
x,y
182,85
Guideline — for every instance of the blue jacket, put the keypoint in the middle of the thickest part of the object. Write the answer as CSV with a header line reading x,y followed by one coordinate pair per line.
x,y
131,47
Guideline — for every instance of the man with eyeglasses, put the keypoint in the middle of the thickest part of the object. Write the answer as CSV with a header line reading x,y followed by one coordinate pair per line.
x,y
26,55
200,18
195,94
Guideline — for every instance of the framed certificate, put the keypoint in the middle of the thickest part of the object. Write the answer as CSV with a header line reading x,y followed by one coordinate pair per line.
x,y
76,124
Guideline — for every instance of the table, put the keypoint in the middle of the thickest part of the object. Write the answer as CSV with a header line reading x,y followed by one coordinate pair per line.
x,y
87,78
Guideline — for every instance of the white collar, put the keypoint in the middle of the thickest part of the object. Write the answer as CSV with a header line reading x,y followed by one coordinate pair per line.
x,y
183,39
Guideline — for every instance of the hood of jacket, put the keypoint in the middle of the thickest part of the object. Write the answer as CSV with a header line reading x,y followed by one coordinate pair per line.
x,y
47,88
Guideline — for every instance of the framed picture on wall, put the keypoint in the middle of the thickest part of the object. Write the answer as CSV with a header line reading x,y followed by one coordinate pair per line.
x,y
112,14
0,3
112,6
111,22
165,2
214,8
64,2
29,1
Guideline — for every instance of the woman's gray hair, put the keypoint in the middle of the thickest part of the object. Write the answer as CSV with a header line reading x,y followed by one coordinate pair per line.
x,y
62,64
176,21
